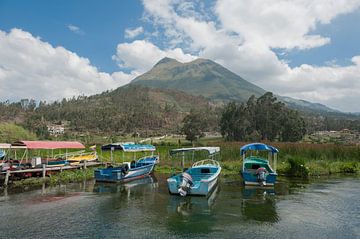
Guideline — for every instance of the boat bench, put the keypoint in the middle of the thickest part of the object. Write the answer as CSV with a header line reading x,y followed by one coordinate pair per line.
x,y
198,177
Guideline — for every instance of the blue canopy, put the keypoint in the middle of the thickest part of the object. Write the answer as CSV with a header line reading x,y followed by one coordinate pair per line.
x,y
258,146
129,147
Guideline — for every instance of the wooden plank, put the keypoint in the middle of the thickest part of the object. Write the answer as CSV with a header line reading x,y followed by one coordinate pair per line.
x,y
7,178
44,171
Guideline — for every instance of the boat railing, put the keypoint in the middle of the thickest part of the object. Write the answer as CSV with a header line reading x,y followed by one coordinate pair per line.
x,y
206,162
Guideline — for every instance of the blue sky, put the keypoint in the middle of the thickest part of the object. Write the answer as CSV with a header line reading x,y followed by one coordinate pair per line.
x,y
307,50
103,24
345,38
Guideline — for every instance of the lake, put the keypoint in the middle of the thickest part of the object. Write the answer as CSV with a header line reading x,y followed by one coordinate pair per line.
x,y
321,208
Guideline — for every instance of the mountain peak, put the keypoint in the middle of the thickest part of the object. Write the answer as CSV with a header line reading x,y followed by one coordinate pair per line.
x,y
166,60
199,77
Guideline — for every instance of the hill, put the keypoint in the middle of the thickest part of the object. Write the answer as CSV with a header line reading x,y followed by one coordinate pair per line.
x,y
213,81
127,109
199,77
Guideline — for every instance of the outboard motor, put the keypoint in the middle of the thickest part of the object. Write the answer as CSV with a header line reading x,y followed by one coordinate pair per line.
x,y
261,176
185,185
124,169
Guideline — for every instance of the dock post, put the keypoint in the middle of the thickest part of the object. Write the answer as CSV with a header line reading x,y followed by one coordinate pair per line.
x,y
7,178
84,164
44,171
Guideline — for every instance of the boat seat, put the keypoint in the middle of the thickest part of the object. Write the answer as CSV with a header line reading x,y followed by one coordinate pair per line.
x,y
199,176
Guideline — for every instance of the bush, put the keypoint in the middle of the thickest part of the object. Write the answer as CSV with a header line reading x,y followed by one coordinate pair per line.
x,y
349,168
296,167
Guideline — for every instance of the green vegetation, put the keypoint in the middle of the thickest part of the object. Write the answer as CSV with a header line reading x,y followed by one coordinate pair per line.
x,y
126,110
10,132
194,126
295,167
261,119
67,176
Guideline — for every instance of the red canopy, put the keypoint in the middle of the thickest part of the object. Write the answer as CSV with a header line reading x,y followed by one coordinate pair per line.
x,y
50,144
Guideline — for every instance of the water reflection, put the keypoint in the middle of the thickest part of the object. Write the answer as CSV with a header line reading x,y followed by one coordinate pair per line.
x,y
150,181
259,204
192,214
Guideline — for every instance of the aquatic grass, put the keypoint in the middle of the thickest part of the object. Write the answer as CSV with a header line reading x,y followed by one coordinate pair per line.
x,y
69,176
29,182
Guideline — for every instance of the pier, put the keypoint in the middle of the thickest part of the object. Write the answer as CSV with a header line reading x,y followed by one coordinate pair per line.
x,y
44,170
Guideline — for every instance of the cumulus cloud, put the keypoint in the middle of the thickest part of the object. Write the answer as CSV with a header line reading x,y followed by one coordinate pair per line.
x,y
133,32
32,68
75,29
141,55
242,35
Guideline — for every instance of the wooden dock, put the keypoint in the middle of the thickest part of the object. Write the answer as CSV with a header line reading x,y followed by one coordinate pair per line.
x,y
45,169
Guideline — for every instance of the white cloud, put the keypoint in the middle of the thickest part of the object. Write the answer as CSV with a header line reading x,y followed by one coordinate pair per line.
x,y
75,29
134,32
243,33
141,55
31,68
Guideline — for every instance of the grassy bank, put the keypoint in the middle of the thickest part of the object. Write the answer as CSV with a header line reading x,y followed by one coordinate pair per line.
x,y
294,159
67,176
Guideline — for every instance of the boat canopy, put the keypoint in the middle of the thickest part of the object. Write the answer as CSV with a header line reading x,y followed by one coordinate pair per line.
x,y
49,144
5,146
258,146
211,150
129,147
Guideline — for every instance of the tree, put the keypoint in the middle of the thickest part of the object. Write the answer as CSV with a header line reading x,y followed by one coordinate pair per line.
x,y
234,123
194,126
267,116
261,119
293,126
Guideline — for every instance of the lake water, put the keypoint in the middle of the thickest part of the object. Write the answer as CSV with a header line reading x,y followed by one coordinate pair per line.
x,y
323,208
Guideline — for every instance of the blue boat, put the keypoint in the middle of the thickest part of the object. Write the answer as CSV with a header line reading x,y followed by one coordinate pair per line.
x,y
128,171
57,163
201,179
256,170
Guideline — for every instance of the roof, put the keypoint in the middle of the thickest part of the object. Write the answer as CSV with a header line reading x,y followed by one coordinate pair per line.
x,y
258,146
50,144
211,150
129,147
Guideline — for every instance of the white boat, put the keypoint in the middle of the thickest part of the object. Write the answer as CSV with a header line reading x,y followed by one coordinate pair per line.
x,y
201,178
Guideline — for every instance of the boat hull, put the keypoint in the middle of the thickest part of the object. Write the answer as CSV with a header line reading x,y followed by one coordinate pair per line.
x,y
60,163
116,174
201,186
251,179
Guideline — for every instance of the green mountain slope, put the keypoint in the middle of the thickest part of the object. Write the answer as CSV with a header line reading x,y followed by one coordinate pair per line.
x,y
199,77
306,106
213,81
127,109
